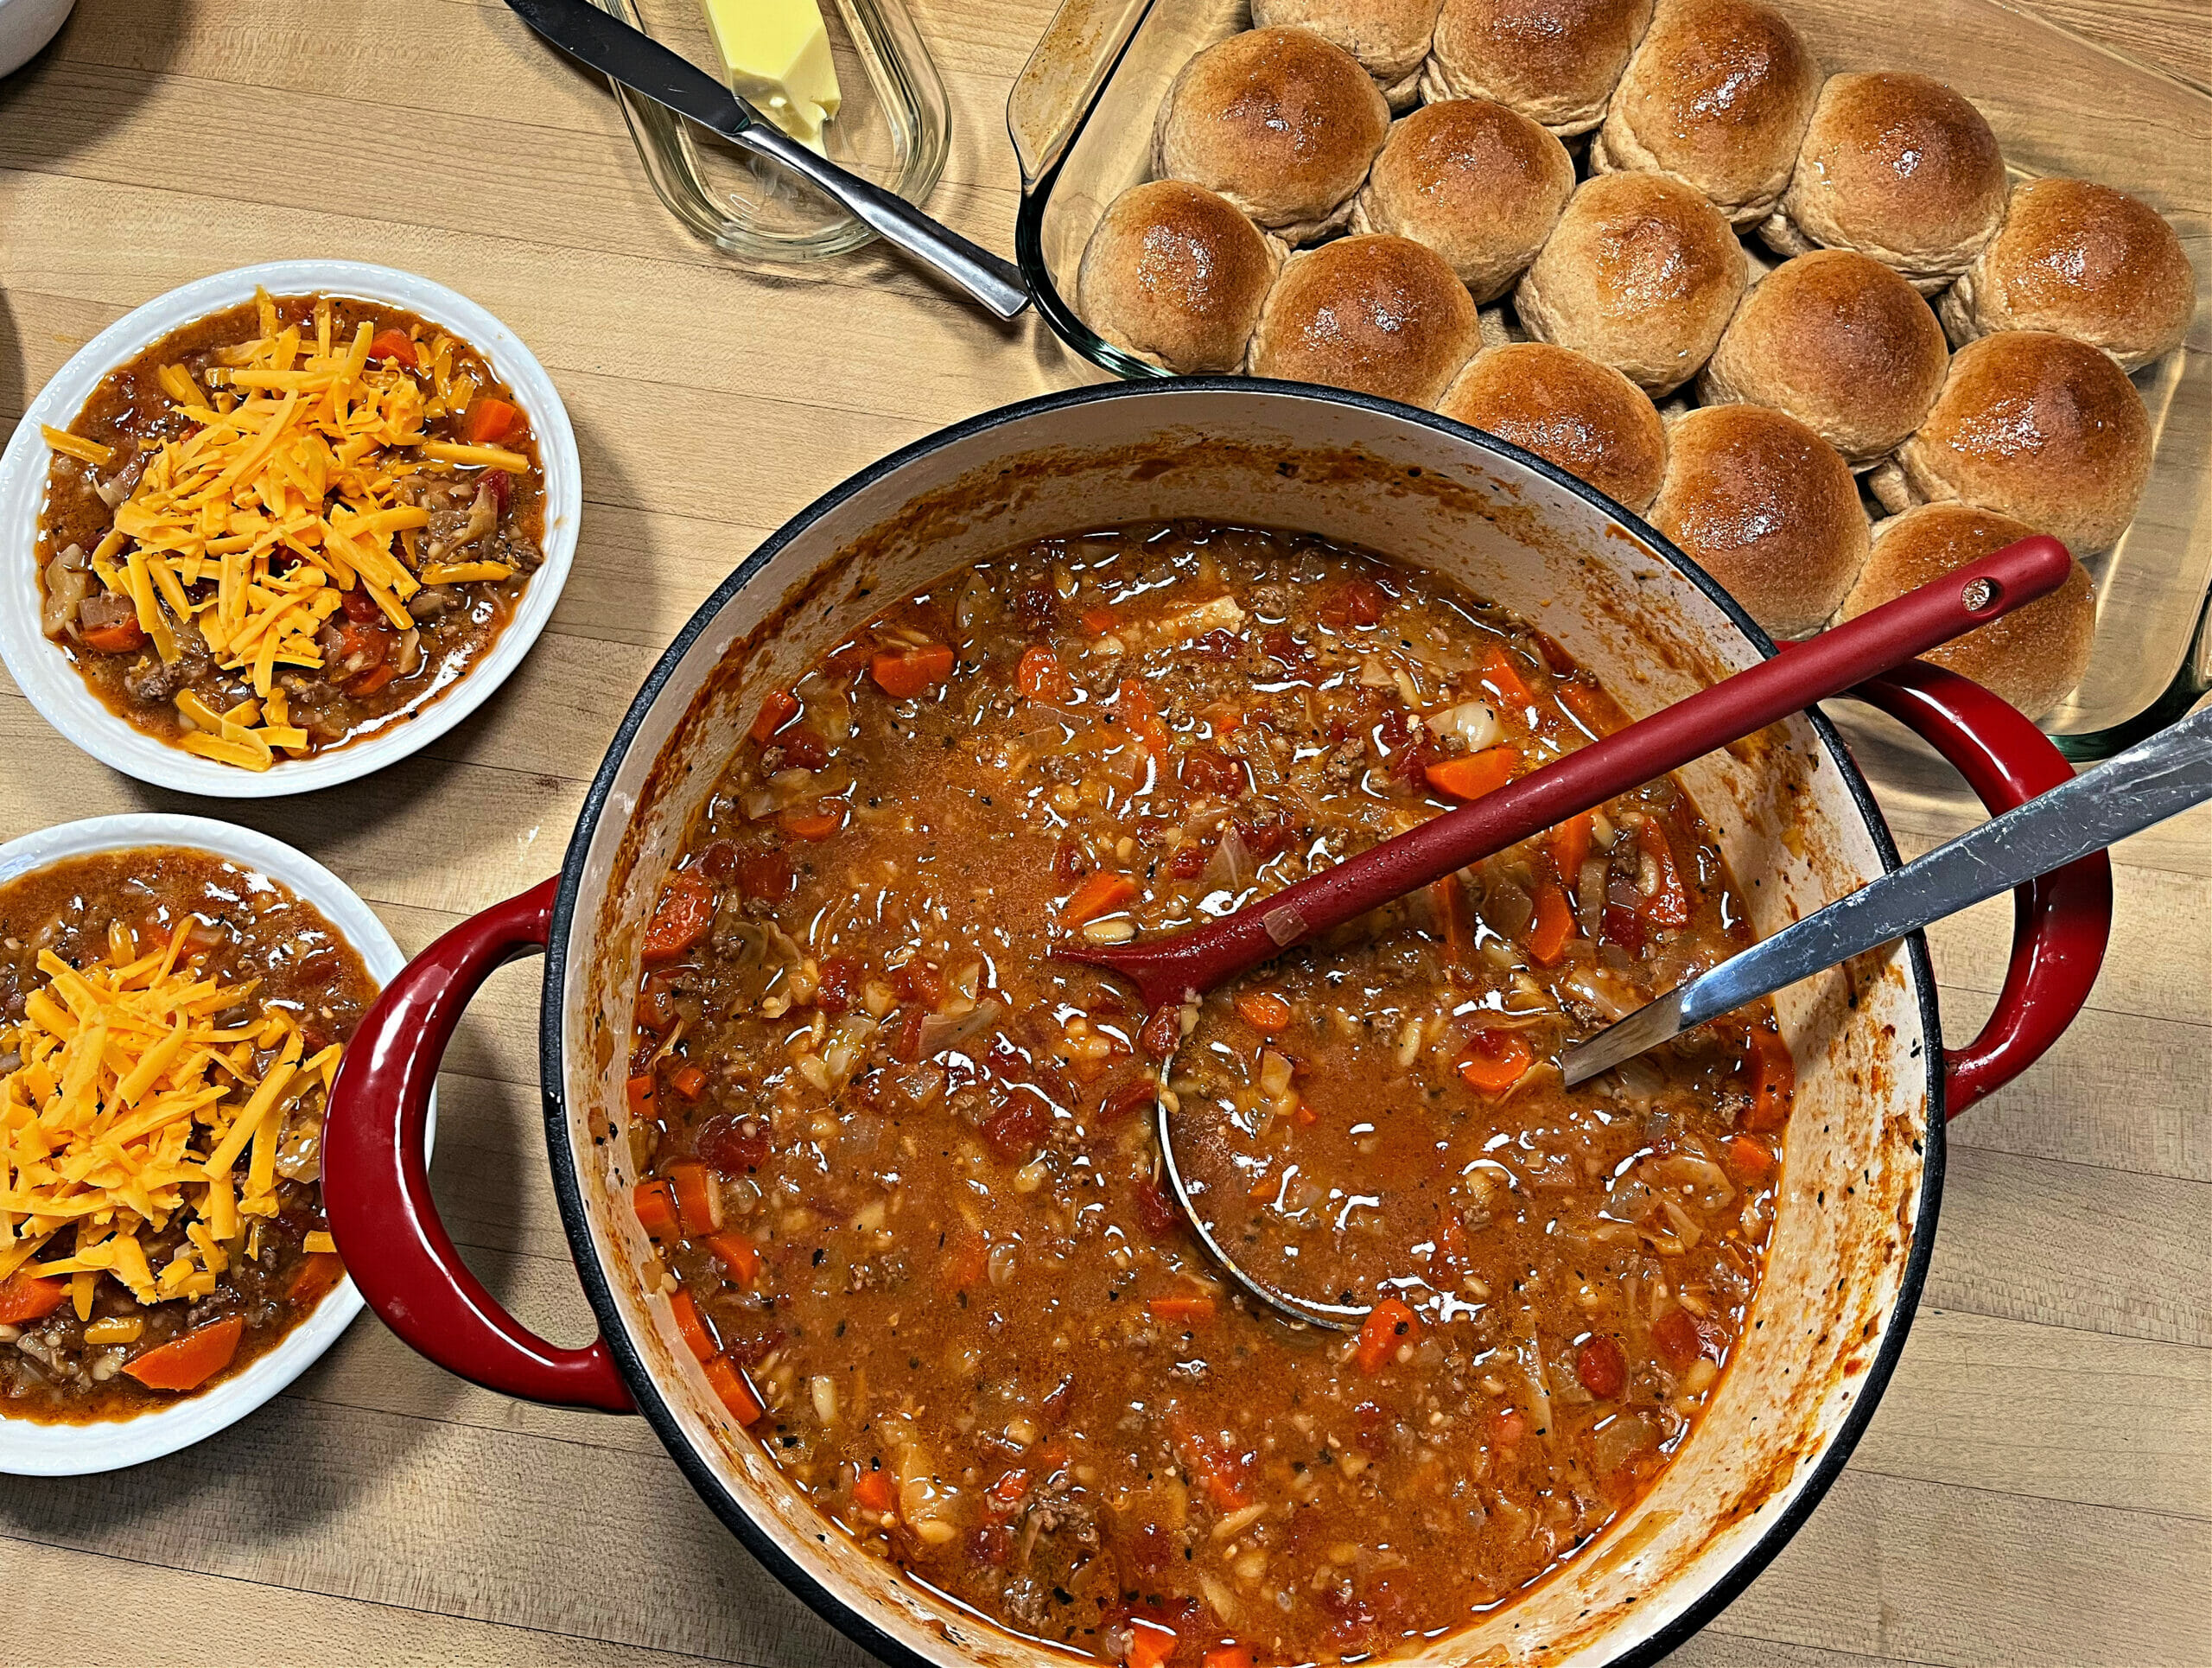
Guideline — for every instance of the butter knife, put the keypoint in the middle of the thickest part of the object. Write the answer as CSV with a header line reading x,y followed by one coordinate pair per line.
x,y
642,64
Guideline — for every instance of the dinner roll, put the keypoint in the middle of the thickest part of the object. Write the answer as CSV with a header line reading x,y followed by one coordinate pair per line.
x,y
1897,167
2032,657
1584,416
1556,61
1768,509
1388,37
1641,273
2082,260
2041,428
1480,184
1278,121
1176,276
1839,341
1377,314
1718,95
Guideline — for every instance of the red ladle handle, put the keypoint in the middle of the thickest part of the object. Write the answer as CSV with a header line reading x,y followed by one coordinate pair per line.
x,y
1187,964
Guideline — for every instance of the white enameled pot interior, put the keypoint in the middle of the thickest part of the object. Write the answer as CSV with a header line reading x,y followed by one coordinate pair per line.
x,y
1428,496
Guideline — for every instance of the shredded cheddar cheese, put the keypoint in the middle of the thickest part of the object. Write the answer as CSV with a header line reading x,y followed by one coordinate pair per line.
x,y
130,1109
284,490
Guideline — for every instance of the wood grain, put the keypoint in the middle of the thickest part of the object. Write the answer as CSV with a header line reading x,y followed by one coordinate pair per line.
x,y
2037,1485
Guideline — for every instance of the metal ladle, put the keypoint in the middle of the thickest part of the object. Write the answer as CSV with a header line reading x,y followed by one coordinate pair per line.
x,y
1178,969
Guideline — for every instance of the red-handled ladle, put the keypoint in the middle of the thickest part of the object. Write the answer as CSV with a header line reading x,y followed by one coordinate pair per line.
x,y
1175,971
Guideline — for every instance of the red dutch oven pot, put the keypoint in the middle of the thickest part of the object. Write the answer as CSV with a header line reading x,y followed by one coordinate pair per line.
x,y
1865,1150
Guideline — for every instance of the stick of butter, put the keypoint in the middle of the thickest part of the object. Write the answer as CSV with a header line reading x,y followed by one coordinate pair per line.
x,y
776,54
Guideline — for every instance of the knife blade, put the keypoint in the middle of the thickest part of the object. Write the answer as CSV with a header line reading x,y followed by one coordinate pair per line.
x,y
606,44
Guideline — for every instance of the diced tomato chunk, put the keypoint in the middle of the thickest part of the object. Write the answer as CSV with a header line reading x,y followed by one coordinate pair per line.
x,y
1016,1129
1601,1367
734,1146
839,980
1676,1333
1355,603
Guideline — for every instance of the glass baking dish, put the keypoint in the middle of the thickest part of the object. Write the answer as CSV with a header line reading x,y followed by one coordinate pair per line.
x,y
1081,117
893,128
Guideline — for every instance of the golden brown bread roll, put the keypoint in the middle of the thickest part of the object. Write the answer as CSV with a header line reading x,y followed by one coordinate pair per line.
x,y
1480,184
2032,657
1839,341
1388,37
1375,313
1278,121
2083,261
1587,418
1768,509
1176,276
1641,273
2037,427
1556,61
1718,95
1897,167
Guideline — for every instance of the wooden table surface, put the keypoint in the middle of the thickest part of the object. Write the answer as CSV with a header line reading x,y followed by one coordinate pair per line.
x,y
2038,1484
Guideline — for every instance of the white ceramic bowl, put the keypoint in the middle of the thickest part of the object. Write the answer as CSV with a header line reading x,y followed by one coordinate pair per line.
x,y
55,686
29,1449
25,27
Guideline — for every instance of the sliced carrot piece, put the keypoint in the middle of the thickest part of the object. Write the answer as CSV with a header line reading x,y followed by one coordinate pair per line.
x,y
27,1297
1588,704
1750,1157
639,1092
1099,619
1554,925
1151,1643
1227,1656
1193,1310
188,1362
904,673
1475,774
122,638
827,817
1669,904
691,1324
736,1253
1133,704
1569,845
655,1203
874,1491
685,911
1774,1079
777,707
1263,1010
396,345
1452,909
1098,895
317,1276
698,1201
1502,676
1495,1060
1042,677
1389,1324
491,420
729,1381
688,1081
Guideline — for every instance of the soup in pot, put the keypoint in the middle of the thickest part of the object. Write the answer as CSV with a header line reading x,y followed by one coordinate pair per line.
x,y
900,1159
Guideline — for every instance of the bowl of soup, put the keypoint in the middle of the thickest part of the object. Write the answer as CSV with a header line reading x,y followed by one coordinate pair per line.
x,y
862,1177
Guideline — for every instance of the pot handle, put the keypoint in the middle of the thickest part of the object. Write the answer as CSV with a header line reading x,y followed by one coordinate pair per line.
x,y
2061,921
376,1190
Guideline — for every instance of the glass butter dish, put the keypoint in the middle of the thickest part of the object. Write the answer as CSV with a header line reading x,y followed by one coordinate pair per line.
x,y
893,128
1081,119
